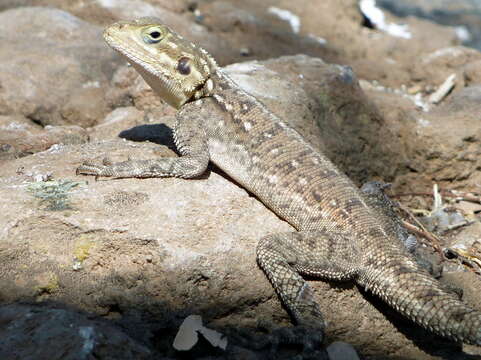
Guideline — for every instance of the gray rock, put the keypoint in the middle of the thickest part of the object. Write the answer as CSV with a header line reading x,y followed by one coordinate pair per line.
x,y
31,332
339,350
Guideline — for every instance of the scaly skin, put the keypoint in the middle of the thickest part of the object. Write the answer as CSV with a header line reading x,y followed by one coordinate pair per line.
x,y
339,236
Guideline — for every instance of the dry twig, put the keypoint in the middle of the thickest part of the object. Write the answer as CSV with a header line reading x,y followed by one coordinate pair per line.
x,y
421,230
453,194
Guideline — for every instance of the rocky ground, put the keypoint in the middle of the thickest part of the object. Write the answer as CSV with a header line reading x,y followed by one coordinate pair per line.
x,y
110,269
464,15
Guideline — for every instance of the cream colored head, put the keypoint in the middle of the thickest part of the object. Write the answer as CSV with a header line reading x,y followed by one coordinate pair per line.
x,y
177,70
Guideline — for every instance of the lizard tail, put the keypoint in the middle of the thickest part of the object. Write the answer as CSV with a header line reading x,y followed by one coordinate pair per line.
x,y
418,296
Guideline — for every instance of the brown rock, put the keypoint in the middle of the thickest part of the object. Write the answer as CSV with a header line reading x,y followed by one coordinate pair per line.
x,y
327,106
85,106
154,249
20,137
436,65
451,138
65,64
157,249
473,72
117,121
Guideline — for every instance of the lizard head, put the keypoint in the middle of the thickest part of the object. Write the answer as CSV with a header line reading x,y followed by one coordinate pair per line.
x,y
177,70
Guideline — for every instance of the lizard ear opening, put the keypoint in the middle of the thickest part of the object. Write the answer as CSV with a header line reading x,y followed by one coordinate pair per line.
x,y
183,66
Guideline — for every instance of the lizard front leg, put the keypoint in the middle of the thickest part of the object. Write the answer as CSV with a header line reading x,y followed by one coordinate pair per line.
x,y
191,142
285,256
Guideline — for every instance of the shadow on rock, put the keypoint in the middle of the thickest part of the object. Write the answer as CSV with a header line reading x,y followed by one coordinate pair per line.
x,y
157,133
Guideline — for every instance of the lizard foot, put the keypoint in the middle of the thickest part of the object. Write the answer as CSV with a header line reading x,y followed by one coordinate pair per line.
x,y
108,168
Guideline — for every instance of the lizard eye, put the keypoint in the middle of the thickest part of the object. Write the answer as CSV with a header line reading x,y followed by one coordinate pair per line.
x,y
152,36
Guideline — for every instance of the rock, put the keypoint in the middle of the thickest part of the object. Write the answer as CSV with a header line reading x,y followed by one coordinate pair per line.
x,y
451,138
148,253
466,14
339,350
472,72
332,30
196,21
322,115
151,252
441,144
49,332
120,119
435,66
20,137
54,67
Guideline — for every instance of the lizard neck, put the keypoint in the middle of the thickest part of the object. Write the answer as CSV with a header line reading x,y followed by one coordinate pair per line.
x,y
216,83
220,82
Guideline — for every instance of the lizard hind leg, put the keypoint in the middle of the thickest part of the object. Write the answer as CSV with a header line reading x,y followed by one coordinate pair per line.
x,y
285,256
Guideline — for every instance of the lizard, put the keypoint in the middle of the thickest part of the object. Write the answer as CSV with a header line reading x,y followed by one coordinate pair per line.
x,y
339,235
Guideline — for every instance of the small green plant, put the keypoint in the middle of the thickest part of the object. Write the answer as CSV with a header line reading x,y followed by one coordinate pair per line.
x,y
53,194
